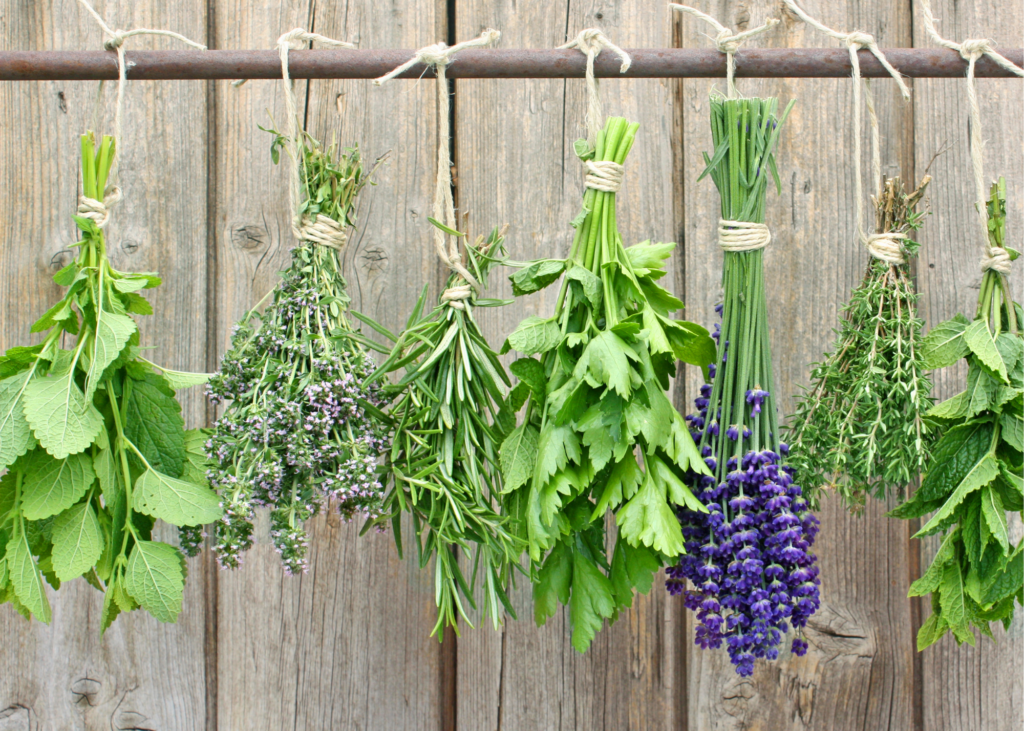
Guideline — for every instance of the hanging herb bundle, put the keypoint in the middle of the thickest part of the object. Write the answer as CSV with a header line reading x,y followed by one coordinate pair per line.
x,y
93,440
450,415
303,427
974,477
859,427
596,402
748,546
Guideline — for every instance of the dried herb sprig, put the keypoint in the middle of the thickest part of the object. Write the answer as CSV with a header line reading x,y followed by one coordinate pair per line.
x,y
303,427
450,415
93,440
596,402
974,477
748,554
859,427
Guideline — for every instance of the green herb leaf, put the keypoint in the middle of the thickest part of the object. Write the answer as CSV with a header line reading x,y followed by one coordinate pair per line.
x,y
15,435
175,501
53,485
112,334
979,339
605,362
552,585
56,409
648,519
537,276
591,603
945,344
77,541
154,579
959,450
633,568
518,457
979,475
154,425
535,335
25,578
995,517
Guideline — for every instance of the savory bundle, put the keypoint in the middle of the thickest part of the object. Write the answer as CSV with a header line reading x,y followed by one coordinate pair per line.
x,y
859,428
974,477
748,538
93,440
450,415
597,411
303,427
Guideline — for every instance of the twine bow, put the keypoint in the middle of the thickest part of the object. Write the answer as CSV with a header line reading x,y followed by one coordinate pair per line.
x,y
439,55
726,41
995,258
883,246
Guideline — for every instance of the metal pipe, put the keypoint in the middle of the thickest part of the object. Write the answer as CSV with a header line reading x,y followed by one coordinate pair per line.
x,y
515,63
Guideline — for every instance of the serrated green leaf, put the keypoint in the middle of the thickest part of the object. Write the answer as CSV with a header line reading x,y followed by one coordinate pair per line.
x,y
982,391
952,408
196,462
1012,430
531,372
112,334
179,380
175,501
77,541
154,425
106,472
995,517
15,434
589,283
953,598
931,631
556,447
1009,581
591,603
26,579
518,457
552,585
647,258
56,409
977,477
648,519
537,276
133,284
605,361
959,449
535,335
633,568
944,344
110,610
931,579
53,485
979,339
153,579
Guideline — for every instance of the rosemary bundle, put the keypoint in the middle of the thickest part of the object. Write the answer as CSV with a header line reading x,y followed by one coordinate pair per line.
x,y
974,477
859,427
748,540
93,440
303,427
597,402
450,415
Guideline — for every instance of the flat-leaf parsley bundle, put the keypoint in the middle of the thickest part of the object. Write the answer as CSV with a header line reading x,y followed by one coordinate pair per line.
x,y
974,480
92,438
599,433
748,541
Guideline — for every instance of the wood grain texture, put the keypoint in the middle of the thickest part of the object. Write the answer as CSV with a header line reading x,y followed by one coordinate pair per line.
x,y
516,165
64,676
859,670
979,688
346,645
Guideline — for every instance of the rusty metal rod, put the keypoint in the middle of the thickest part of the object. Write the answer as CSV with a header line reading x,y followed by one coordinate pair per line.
x,y
515,63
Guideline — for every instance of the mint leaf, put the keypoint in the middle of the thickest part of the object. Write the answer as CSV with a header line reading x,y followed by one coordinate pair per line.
x,y
591,602
959,449
931,579
112,334
25,578
1009,581
953,600
518,456
979,339
175,501
995,517
182,379
537,276
931,631
982,473
154,425
196,462
77,541
154,579
1012,430
589,284
952,408
531,372
53,485
535,335
56,409
15,435
944,344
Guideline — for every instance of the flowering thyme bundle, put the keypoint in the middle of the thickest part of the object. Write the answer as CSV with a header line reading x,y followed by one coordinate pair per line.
x,y
303,428
974,478
597,401
859,428
451,415
748,550
93,440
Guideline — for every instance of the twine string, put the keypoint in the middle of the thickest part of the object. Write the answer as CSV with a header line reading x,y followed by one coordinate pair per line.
x,y
726,41
318,229
883,246
995,258
740,236
590,42
440,55
99,210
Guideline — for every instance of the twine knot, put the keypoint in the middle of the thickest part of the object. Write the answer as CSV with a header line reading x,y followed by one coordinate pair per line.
x,y
604,175
116,40
887,247
321,230
440,54
739,236
976,47
99,211
455,296
997,259
860,39
592,41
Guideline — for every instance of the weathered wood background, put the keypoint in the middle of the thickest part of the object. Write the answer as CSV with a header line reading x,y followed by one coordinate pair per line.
x,y
346,646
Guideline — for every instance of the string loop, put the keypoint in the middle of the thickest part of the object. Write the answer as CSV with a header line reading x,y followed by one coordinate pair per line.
x,y
322,230
440,56
99,211
740,236
726,41
590,42
887,247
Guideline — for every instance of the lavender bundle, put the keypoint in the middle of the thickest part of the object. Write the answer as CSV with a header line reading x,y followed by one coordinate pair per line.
x,y
302,429
748,556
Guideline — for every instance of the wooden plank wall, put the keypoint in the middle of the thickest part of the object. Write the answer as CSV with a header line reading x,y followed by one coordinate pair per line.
x,y
346,646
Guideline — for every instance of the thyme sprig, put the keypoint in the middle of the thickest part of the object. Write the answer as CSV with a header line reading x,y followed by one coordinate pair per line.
x,y
859,428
